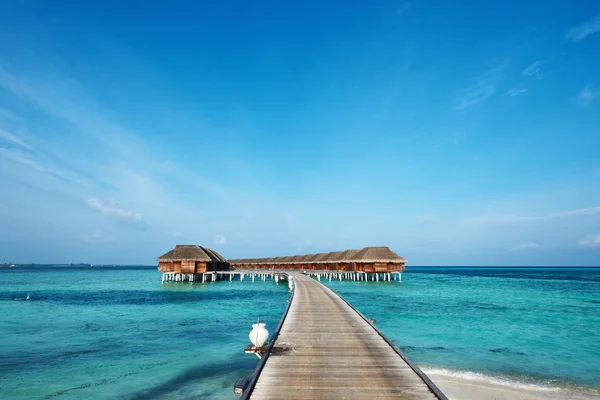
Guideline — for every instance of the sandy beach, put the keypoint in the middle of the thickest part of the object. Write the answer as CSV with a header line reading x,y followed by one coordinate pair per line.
x,y
475,386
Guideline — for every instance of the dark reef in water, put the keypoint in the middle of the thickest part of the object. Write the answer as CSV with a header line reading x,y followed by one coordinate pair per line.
x,y
503,350
422,348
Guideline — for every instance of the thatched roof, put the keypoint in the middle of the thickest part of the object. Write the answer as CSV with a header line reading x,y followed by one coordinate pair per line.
x,y
211,254
185,252
193,252
366,255
220,257
378,254
349,255
302,259
332,257
316,257
168,256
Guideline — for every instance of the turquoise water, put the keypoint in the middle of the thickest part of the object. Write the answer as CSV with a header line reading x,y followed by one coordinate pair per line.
x,y
540,326
106,333
118,333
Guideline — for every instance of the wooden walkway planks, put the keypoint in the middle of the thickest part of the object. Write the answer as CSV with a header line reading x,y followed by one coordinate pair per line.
x,y
326,350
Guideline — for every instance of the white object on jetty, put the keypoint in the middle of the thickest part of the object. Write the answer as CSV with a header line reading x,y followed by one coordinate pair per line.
x,y
258,335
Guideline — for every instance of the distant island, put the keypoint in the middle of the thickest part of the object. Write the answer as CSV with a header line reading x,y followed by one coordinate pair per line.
x,y
79,265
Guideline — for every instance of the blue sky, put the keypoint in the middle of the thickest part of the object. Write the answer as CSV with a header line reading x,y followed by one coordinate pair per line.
x,y
455,133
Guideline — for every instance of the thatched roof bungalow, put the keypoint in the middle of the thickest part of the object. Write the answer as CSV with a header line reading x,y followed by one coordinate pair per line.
x,y
368,259
191,259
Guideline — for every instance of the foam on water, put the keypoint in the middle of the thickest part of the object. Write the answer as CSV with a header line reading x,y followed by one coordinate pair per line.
x,y
489,379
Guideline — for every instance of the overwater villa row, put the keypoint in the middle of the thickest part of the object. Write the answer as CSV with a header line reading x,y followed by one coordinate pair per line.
x,y
369,259
187,262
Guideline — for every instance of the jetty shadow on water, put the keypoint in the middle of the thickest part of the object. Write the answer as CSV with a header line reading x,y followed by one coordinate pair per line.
x,y
196,375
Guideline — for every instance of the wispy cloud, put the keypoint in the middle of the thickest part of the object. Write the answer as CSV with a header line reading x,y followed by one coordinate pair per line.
x,y
483,88
584,30
532,69
526,246
516,91
98,237
220,239
64,100
586,95
18,149
9,137
29,159
590,241
114,210
557,215
176,235
426,218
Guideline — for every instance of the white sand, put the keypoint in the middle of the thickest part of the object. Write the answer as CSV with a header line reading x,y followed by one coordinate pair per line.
x,y
474,387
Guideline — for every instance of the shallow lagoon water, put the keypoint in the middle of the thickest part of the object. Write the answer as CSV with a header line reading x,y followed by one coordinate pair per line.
x,y
527,325
106,333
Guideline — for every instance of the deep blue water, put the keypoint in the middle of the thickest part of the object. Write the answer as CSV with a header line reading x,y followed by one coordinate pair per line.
x,y
110,332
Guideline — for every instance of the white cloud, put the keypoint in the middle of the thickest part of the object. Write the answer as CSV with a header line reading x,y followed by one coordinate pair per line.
x,y
220,239
483,88
516,91
113,210
526,246
557,215
532,69
590,241
584,30
426,218
587,95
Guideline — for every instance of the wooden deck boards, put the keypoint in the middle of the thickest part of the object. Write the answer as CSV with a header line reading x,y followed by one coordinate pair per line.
x,y
326,350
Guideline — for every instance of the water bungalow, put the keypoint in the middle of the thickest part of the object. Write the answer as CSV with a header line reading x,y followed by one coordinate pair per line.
x,y
368,260
193,262
189,260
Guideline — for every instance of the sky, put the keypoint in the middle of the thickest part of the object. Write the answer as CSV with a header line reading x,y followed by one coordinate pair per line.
x,y
456,133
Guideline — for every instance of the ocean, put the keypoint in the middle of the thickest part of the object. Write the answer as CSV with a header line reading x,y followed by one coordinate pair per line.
x,y
118,333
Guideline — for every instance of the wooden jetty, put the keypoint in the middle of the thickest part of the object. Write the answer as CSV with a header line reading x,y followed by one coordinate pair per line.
x,y
325,349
